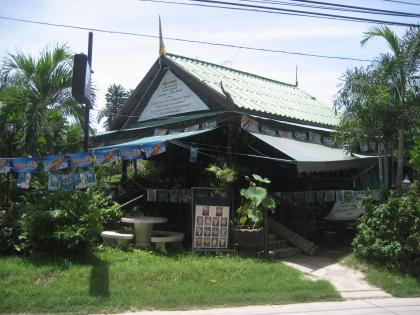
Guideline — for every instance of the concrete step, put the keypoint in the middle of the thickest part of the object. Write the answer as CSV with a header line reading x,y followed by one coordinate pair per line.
x,y
284,252
278,243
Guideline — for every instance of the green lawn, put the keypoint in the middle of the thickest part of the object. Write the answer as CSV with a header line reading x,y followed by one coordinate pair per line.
x,y
399,285
114,280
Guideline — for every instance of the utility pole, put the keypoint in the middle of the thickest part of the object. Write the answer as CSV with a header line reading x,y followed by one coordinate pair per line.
x,y
89,103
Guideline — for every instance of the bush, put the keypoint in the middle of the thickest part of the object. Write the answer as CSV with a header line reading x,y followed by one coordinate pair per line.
x,y
389,233
9,231
62,223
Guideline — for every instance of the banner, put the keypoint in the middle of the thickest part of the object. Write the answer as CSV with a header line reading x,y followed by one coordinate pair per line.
x,y
90,178
4,166
130,153
54,182
53,163
106,156
23,180
82,159
67,182
344,211
152,149
25,165
80,181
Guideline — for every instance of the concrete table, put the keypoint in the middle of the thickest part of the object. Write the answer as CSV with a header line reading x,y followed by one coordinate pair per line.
x,y
143,228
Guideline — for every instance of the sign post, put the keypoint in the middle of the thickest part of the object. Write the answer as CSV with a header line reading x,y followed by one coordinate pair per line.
x,y
210,219
81,85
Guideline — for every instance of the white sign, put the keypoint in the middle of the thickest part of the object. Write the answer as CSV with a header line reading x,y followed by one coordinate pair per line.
x,y
211,229
344,211
171,97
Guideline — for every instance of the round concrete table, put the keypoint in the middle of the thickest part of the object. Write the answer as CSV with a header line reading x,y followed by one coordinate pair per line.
x,y
143,228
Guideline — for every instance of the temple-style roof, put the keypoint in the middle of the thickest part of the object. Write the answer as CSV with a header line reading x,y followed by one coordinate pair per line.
x,y
255,93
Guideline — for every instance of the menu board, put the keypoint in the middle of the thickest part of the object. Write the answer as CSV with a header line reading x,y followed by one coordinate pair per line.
x,y
211,228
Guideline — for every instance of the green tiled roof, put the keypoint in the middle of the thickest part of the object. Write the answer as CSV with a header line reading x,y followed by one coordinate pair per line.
x,y
255,93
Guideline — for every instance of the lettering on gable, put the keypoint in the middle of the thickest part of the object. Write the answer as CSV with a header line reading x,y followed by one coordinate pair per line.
x,y
172,97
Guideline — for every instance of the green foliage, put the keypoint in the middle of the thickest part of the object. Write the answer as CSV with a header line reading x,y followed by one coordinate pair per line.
x,y
390,232
9,232
115,97
415,155
255,200
225,175
66,222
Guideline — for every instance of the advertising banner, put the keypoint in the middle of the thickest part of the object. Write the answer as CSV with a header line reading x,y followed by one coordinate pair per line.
x,y
25,165
81,159
152,149
130,153
54,163
4,166
106,156
24,180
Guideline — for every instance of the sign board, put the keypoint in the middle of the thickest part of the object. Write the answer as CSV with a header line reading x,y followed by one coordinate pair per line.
x,y
211,218
81,79
344,211
172,97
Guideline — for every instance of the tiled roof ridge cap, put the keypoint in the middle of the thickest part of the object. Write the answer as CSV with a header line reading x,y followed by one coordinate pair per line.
x,y
232,69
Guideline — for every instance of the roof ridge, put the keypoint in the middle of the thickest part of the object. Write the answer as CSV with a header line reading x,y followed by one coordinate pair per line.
x,y
235,70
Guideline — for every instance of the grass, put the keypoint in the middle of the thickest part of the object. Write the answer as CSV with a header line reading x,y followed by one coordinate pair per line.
x,y
397,284
114,280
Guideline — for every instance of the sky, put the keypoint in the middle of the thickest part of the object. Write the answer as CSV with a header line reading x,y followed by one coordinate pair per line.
x,y
124,59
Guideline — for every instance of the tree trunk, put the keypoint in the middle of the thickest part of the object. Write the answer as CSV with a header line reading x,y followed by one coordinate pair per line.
x,y
386,168
398,180
380,166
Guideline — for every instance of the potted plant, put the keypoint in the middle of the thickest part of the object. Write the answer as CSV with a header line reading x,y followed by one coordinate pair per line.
x,y
249,232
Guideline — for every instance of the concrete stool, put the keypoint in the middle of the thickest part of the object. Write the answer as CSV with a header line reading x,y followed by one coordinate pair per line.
x,y
160,238
113,237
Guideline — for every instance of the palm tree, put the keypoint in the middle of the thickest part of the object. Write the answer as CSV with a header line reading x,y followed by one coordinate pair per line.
x,y
46,82
115,98
400,68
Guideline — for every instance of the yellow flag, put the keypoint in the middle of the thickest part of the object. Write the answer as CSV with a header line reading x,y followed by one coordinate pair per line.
x,y
162,49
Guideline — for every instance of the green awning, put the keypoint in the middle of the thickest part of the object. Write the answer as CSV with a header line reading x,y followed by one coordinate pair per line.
x,y
312,157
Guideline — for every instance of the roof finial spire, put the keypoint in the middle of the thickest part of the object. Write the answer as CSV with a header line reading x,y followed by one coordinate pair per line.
x,y
162,49
296,80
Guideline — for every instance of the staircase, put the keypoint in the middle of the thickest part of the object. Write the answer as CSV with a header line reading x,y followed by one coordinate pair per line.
x,y
283,242
280,248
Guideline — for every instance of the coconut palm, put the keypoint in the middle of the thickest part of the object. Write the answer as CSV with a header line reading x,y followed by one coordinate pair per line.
x,y
400,70
115,98
46,82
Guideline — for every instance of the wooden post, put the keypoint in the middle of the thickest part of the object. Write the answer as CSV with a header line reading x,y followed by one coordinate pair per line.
x,y
266,251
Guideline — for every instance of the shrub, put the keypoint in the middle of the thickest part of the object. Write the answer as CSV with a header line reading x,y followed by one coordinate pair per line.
x,y
390,232
66,222
9,231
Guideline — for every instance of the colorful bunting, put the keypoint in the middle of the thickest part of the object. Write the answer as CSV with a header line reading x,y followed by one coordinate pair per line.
x,y
54,163
24,180
82,159
130,153
152,149
4,166
90,178
67,182
106,156
25,165
54,182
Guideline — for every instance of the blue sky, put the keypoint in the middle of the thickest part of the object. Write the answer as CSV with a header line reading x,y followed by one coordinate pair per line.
x,y
126,59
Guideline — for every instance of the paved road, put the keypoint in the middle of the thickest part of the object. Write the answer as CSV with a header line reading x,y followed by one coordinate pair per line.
x,y
406,306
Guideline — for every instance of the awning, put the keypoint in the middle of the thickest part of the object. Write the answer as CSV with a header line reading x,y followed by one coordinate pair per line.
x,y
313,157
158,139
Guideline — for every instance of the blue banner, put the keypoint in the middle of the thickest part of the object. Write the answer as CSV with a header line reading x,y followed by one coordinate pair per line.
x,y
130,153
4,166
106,156
90,178
81,159
67,182
24,180
152,149
54,182
54,163
25,165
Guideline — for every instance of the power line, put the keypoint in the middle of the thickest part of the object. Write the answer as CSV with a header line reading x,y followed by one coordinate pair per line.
x,y
403,2
335,6
266,9
183,40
